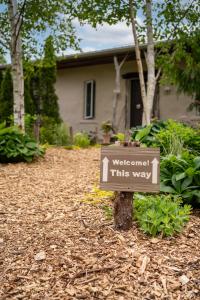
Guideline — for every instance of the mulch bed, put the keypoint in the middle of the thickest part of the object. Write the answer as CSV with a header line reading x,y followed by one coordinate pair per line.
x,y
54,246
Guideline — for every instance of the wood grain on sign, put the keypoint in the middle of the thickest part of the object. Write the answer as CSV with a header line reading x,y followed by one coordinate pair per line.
x,y
130,169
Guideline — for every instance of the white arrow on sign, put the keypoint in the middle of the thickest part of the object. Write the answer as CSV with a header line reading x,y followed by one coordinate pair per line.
x,y
105,169
155,164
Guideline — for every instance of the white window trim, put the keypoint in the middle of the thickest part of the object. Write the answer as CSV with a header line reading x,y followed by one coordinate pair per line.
x,y
91,116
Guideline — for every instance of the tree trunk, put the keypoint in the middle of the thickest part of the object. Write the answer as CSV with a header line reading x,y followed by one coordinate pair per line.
x,y
151,83
147,94
139,62
17,67
123,210
116,91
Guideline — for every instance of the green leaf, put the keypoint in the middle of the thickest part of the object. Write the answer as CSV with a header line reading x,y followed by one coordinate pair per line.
x,y
166,189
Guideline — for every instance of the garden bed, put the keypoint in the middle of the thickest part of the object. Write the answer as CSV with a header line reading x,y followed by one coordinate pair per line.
x,y
55,246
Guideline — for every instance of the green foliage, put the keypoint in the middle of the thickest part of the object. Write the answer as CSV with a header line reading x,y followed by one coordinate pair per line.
x,y
120,136
172,137
107,211
184,69
16,146
6,97
29,124
48,70
147,134
28,101
37,20
106,127
160,214
81,139
54,133
177,136
180,175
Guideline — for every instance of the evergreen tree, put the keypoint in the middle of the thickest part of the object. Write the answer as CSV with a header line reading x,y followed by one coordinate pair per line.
x,y
49,99
6,97
29,105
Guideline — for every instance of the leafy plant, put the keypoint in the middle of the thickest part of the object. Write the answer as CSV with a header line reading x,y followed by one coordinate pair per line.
x,y
54,133
29,124
180,175
160,214
16,146
106,127
120,136
175,137
81,139
147,134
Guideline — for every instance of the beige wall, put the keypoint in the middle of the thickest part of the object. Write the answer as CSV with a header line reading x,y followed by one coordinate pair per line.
x,y
172,104
70,90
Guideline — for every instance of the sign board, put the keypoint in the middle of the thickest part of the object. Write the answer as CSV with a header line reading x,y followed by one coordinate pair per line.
x,y
130,169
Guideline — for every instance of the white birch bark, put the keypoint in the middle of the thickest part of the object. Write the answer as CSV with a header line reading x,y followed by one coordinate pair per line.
x,y
139,62
147,94
17,67
151,80
116,91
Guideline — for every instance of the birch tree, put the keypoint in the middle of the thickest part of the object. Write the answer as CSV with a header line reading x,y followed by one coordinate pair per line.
x,y
152,22
23,25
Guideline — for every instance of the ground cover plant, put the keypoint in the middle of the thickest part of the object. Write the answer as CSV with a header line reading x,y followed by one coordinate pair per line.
x,y
170,136
81,139
180,175
180,157
160,214
15,146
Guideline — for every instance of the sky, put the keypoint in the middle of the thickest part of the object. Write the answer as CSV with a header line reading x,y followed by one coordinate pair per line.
x,y
104,37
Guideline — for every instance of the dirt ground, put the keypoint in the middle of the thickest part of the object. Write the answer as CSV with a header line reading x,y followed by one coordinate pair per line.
x,y
54,246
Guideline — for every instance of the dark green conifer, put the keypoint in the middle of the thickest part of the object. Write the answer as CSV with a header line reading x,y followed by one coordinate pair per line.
x,y
49,99
6,97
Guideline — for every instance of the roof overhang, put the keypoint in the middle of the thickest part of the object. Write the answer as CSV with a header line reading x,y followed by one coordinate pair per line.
x,y
96,57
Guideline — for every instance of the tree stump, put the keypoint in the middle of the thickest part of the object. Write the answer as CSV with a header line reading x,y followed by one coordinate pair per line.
x,y
123,210
123,204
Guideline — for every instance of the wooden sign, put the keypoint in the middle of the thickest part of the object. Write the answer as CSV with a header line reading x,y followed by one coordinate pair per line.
x,y
130,169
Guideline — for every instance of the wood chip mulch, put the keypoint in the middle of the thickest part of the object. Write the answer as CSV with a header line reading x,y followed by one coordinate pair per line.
x,y
53,246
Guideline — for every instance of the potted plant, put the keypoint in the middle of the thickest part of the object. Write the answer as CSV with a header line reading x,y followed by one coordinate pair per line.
x,y
106,128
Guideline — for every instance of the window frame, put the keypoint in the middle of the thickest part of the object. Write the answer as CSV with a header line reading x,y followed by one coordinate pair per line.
x,y
92,99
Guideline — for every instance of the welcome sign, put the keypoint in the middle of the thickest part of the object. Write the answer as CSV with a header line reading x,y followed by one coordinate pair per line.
x,y
130,169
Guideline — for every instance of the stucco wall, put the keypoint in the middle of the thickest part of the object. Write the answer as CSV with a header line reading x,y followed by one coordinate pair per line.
x,y
70,90
172,104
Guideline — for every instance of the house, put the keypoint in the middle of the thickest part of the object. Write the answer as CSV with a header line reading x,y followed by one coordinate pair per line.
x,y
85,88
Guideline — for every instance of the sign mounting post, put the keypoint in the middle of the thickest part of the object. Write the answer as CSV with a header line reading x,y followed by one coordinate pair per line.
x,y
126,170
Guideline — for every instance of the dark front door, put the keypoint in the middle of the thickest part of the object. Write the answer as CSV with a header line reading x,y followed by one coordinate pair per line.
x,y
136,108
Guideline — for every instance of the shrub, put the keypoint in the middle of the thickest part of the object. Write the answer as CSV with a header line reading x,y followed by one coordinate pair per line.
x,y
54,133
120,137
170,136
16,146
160,214
29,124
180,175
81,140
147,134
175,137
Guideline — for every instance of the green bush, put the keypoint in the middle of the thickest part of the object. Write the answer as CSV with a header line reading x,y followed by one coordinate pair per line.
x,y
147,134
16,146
180,175
54,133
171,136
175,137
29,124
160,214
81,139
120,136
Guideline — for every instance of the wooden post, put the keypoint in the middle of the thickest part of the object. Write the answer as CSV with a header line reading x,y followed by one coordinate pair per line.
x,y
123,204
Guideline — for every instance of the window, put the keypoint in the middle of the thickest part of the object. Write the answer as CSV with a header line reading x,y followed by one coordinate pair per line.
x,y
89,99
